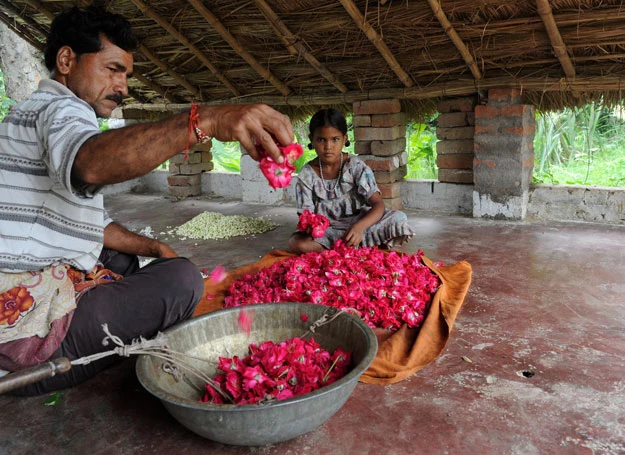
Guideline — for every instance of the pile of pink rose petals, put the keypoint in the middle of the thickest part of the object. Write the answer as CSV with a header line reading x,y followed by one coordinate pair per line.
x,y
277,371
313,223
387,288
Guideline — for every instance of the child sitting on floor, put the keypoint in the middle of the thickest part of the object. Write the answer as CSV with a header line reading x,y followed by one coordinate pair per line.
x,y
342,188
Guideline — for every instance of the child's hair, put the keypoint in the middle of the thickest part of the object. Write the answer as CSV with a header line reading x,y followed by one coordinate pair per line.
x,y
328,117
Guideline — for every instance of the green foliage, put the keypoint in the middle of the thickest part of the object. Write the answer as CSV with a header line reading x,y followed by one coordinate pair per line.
x,y
307,156
226,156
580,146
421,147
5,101
103,123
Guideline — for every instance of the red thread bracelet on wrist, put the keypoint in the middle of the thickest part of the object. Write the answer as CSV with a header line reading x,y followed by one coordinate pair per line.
x,y
194,127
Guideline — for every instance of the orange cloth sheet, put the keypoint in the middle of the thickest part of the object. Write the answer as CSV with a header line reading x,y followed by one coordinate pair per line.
x,y
400,354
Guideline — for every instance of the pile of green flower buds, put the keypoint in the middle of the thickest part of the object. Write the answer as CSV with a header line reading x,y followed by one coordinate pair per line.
x,y
215,226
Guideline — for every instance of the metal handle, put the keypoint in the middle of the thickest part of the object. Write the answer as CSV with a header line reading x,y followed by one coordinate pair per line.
x,y
34,374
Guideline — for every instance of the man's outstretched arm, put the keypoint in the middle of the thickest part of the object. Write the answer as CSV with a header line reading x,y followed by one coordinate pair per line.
x,y
125,153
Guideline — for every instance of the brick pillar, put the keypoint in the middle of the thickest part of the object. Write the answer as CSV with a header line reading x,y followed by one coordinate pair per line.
x,y
504,156
454,151
185,177
380,141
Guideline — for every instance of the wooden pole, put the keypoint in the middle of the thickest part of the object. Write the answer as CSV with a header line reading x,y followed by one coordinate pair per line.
x,y
557,43
192,48
236,45
15,14
40,8
455,38
177,77
152,86
295,46
21,378
459,87
17,29
377,41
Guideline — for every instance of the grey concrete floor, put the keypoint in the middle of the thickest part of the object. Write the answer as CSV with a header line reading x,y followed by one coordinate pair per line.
x,y
543,325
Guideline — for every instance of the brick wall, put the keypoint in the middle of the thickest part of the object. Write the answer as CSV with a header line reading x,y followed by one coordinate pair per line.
x,y
380,141
185,177
455,131
504,155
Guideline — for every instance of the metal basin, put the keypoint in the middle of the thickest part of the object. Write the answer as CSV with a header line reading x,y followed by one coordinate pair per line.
x,y
218,334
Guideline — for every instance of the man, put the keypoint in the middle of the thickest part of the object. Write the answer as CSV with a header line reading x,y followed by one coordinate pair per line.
x,y
61,256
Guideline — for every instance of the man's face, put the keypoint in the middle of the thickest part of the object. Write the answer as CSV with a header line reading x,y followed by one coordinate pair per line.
x,y
100,79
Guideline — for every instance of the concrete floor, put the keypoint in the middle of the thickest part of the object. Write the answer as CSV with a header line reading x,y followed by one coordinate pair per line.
x,y
543,326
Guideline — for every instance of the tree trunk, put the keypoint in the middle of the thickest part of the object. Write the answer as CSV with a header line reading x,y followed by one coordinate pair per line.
x,y
21,64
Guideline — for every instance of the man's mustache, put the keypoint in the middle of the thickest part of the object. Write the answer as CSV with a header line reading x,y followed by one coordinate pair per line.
x,y
115,97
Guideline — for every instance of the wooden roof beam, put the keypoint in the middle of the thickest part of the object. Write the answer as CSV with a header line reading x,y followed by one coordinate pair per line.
x,y
15,13
145,9
177,77
10,23
155,87
559,48
377,41
42,9
136,95
295,45
236,45
458,87
455,38
18,28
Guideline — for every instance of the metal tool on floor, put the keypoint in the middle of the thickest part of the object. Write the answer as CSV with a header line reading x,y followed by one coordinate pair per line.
x,y
34,374
51,368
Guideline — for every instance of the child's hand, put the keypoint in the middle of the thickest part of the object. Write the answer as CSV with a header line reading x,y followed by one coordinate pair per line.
x,y
354,236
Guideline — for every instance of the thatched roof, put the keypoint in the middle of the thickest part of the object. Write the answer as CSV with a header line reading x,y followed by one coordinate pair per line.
x,y
300,54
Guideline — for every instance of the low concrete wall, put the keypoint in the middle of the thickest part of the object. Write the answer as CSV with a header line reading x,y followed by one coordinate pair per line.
x,y
434,196
577,203
224,184
546,202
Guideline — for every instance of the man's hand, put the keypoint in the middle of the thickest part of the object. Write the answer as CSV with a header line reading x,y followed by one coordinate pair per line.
x,y
247,123
118,238
165,251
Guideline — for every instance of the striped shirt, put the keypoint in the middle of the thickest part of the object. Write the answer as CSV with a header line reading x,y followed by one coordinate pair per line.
x,y
44,219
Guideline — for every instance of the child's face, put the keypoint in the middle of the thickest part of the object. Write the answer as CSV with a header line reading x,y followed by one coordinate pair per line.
x,y
328,143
